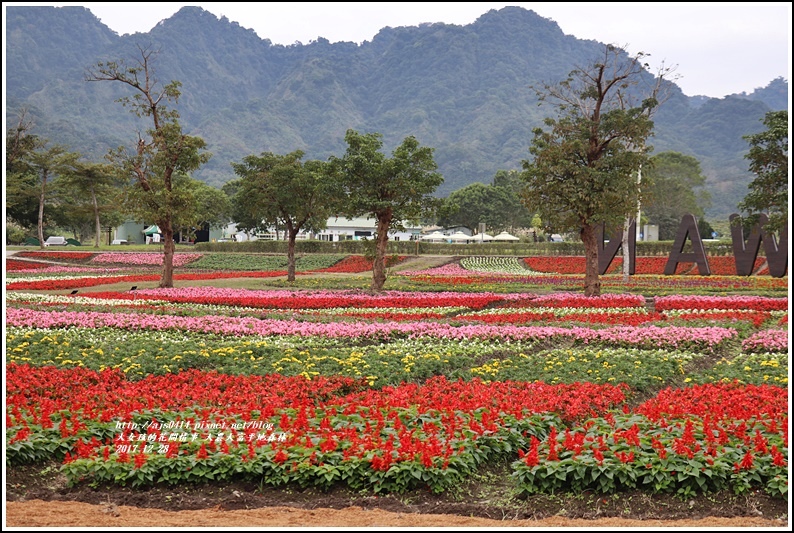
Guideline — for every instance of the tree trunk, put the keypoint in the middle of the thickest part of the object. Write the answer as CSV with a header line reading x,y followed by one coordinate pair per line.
x,y
42,196
167,279
292,235
379,265
592,284
96,218
624,245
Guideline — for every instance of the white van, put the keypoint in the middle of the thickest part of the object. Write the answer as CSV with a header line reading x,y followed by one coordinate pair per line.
x,y
55,241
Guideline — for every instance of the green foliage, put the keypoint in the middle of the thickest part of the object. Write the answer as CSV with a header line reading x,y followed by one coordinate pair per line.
x,y
498,207
390,190
672,186
769,162
275,190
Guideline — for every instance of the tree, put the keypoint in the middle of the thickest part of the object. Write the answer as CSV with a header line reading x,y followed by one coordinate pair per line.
x,y
21,194
768,157
213,208
498,205
160,163
673,187
47,164
515,214
90,192
584,167
473,204
280,190
392,190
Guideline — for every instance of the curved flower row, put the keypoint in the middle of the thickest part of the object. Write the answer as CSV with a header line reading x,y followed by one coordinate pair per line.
x,y
55,255
568,300
719,265
285,299
156,259
707,338
758,303
13,265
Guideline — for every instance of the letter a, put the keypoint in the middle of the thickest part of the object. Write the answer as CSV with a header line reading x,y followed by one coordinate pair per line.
x,y
688,228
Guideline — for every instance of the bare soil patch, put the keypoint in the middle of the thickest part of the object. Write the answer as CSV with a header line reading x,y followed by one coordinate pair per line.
x,y
38,496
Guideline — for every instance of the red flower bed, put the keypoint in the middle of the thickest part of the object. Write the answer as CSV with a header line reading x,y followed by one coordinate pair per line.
x,y
354,264
739,303
719,400
318,300
756,317
16,264
719,265
556,264
578,300
72,283
35,393
57,256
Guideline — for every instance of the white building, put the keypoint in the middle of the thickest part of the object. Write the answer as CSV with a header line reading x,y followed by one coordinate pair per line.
x,y
337,229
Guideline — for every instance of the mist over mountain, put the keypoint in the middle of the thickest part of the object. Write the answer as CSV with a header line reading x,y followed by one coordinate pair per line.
x,y
462,90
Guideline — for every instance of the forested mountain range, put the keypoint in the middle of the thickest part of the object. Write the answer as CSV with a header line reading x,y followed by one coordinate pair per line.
x,y
462,90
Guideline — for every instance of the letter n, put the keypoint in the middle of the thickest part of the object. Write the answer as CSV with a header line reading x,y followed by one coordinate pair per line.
x,y
606,254
688,228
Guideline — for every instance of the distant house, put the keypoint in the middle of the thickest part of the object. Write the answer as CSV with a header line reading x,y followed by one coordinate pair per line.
x,y
136,233
346,229
337,229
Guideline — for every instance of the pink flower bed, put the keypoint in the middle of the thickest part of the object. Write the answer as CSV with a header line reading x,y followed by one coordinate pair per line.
x,y
284,299
770,340
155,259
652,336
451,269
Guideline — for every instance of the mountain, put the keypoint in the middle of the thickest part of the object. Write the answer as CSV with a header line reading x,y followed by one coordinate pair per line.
x,y
463,90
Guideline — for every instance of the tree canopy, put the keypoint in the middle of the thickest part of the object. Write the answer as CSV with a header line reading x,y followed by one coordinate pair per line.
x,y
584,167
768,158
390,190
673,186
280,190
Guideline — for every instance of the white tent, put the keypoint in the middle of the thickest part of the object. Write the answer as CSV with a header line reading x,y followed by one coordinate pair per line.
x,y
482,237
459,236
436,236
504,236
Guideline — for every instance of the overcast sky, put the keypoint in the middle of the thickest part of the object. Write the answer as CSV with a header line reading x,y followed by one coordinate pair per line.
x,y
719,48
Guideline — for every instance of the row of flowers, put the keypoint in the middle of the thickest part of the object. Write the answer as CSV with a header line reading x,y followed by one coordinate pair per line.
x,y
718,265
701,338
324,263
322,299
518,308
281,431
56,255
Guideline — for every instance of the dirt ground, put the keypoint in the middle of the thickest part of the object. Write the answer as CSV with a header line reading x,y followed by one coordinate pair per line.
x,y
38,513
38,496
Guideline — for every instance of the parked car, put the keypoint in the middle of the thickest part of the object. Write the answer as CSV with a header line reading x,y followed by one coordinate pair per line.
x,y
55,241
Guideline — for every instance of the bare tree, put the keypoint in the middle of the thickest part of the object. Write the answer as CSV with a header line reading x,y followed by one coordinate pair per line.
x,y
162,156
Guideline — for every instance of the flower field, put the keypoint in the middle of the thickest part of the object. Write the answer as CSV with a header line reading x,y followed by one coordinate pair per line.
x,y
667,384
